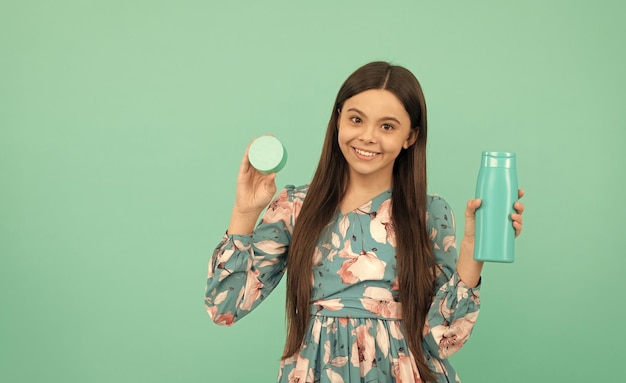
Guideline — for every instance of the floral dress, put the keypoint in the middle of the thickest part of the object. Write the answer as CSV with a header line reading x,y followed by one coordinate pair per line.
x,y
356,332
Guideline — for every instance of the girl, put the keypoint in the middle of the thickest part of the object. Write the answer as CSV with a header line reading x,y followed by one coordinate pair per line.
x,y
374,289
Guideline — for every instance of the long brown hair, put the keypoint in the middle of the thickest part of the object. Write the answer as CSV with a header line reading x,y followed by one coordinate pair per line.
x,y
415,262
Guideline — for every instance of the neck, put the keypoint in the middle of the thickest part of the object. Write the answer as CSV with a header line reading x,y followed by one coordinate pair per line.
x,y
360,185
361,190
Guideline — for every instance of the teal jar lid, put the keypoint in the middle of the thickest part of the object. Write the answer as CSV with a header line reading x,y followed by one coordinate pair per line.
x,y
498,160
267,154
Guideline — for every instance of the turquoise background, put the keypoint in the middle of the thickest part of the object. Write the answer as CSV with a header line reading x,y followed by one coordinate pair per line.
x,y
122,124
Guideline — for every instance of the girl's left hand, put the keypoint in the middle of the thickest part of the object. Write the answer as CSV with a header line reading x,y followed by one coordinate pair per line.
x,y
470,215
517,218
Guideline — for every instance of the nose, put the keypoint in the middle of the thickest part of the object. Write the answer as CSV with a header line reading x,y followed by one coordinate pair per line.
x,y
368,134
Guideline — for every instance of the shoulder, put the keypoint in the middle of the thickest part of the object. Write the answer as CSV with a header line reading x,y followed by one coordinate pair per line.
x,y
436,203
439,211
295,192
293,198
286,205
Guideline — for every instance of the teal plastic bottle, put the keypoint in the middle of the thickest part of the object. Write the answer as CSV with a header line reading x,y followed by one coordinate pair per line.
x,y
497,188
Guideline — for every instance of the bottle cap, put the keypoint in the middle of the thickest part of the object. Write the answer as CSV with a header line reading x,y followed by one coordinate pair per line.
x,y
267,154
498,160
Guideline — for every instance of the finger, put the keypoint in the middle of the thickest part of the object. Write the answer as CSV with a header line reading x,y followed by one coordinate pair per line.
x,y
520,193
471,206
517,223
518,228
519,207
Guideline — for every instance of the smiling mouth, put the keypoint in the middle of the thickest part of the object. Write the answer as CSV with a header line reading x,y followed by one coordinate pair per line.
x,y
364,153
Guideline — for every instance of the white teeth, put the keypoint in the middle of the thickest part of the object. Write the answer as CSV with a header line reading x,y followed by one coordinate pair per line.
x,y
366,154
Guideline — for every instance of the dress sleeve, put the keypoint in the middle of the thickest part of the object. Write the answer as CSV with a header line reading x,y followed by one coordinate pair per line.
x,y
455,306
245,269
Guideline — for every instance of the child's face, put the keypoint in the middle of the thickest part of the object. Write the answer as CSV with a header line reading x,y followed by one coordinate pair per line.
x,y
373,128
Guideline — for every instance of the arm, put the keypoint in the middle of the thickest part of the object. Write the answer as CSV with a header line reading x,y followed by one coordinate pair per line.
x,y
455,305
247,264
469,269
245,269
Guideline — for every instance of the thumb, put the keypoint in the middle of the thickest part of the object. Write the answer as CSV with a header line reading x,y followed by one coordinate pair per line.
x,y
472,206
470,216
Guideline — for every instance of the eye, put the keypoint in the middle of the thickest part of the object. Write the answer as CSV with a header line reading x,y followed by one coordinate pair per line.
x,y
355,119
387,127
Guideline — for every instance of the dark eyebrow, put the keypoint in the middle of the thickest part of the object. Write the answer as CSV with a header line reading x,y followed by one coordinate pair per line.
x,y
389,118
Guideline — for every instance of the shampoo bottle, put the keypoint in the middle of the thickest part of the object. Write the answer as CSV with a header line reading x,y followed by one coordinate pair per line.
x,y
497,188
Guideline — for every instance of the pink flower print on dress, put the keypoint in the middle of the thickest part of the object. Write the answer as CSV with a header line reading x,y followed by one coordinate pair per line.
x,y
396,284
395,329
382,338
444,309
440,368
343,321
365,266
219,298
337,361
333,376
297,207
426,329
330,325
451,338
279,210
301,373
405,370
252,290
364,348
269,247
212,307
211,310
316,330
226,319
219,265
381,228
448,242
380,301
329,304
344,224
317,256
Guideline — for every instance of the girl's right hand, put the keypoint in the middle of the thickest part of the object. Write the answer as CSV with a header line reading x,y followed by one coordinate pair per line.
x,y
254,189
